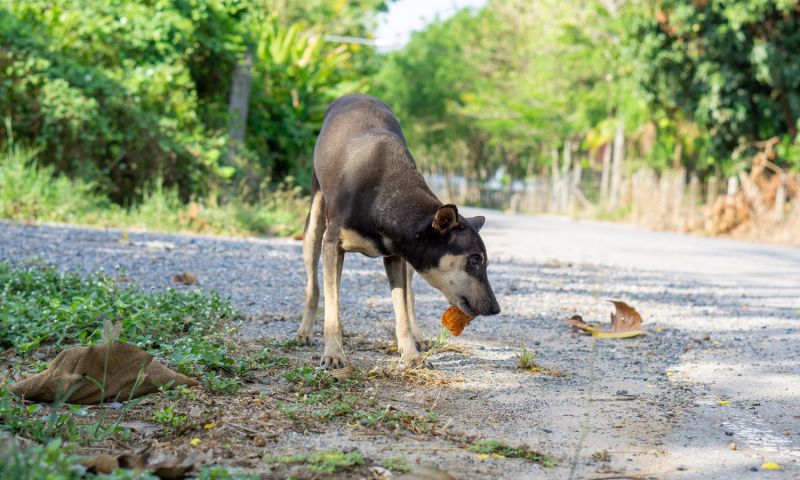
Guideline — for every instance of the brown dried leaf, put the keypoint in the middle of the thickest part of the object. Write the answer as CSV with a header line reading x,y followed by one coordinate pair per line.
x,y
344,373
75,374
185,278
170,466
625,318
576,321
102,463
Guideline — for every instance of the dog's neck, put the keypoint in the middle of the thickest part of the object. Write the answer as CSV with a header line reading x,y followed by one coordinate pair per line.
x,y
408,215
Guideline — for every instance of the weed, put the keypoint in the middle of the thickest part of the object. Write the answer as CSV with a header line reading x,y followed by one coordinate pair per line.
x,y
396,464
309,377
526,360
167,417
330,461
219,384
498,448
601,456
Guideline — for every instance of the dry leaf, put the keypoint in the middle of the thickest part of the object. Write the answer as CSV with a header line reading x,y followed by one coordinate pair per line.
x,y
625,322
124,371
771,466
102,464
576,321
185,278
625,318
340,374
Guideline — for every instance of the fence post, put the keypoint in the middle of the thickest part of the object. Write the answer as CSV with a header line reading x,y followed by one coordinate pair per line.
x,y
713,190
605,176
733,186
616,164
780,197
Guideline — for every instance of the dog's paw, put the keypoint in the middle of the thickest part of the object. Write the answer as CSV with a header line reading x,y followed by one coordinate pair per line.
x,y
304,337
414,361
422,345
332,360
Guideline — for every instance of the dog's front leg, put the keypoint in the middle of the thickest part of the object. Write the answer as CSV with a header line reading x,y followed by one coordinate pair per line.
x,y
416,332
332,260
396,271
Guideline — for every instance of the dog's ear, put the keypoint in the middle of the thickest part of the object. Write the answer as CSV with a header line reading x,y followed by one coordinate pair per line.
x,y
446,219
476,222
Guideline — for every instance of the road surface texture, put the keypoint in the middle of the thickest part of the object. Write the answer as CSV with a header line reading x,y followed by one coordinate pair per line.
x,y
720,366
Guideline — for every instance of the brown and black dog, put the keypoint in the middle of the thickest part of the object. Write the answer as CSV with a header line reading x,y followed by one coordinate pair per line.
x,y
368,197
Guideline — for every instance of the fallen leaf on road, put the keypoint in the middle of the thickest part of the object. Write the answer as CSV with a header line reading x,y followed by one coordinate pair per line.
x,y
185,278
771,466
625,318
724,402
626,322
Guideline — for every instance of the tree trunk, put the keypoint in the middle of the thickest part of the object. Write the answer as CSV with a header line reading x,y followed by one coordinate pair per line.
x,y
238,103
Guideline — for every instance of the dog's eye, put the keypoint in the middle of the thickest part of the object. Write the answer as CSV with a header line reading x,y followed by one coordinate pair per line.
x,y
474,259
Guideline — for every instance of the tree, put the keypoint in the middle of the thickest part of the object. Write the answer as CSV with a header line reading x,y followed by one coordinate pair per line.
x,y
730,65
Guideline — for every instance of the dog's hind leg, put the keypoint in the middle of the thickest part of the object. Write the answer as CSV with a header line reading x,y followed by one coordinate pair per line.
x,y
332,260
411,312
397,271
312,245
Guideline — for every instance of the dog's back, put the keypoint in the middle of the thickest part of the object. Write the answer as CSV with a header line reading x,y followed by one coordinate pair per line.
x,y
361,155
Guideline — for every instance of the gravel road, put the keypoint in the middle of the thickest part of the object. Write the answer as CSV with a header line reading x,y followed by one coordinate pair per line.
x,y
721,364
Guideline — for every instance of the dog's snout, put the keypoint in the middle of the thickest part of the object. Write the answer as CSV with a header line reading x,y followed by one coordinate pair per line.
x,y
495,308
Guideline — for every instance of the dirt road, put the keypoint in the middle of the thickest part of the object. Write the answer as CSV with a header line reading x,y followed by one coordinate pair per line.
x,y
721,364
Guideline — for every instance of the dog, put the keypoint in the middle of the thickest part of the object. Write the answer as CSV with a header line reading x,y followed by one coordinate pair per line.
x,y
367,196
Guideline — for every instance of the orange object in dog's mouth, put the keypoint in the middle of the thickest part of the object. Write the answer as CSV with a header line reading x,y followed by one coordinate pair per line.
x,y
455,320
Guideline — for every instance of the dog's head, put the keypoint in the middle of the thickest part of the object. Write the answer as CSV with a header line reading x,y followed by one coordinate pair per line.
x,y
452,258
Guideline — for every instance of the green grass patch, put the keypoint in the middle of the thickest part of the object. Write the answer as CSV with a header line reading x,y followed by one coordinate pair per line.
x,y
329,461
498,448
43,307
33,192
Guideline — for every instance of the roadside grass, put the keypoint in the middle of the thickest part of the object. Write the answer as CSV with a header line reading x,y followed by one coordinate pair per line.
x,y
31,192
526,361
498,449
252,393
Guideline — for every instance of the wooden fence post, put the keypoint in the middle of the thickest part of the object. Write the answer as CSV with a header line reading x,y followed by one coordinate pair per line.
x,y
616,165
780,197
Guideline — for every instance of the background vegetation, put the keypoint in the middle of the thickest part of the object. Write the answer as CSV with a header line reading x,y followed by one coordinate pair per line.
x,y
129,100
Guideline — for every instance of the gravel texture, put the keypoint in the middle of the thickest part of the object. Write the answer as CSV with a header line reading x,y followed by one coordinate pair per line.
x,y
723,317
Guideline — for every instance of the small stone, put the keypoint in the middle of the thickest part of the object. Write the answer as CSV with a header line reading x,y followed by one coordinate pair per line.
x,y
753,469
622,392
732,445
683,468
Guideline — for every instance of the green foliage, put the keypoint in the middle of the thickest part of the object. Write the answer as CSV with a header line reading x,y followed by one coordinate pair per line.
x,y
41,306
30,191
729,65
121,93
397,464
496,447
167,417
329,461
